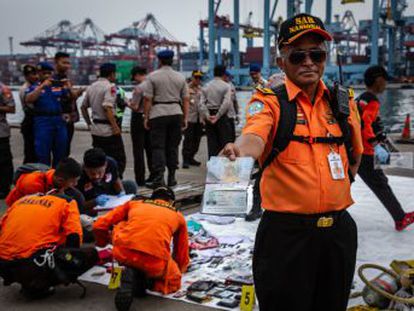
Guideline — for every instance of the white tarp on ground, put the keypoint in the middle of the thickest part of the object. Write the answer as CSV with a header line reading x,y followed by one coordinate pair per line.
x,y
378,241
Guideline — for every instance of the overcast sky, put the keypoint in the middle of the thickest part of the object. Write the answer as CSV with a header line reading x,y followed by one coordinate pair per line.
x,y
24,19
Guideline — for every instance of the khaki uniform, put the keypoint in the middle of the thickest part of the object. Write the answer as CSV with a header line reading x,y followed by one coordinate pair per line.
x,y
167,89
194,131
100,95
233,111
216,101
6,163
140,136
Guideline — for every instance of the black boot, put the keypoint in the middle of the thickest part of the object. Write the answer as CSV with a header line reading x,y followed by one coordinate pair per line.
x,y
171,178
194,162
125,293
186,164
157,181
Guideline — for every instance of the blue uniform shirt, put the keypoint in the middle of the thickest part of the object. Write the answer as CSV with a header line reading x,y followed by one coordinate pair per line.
x,y
49,101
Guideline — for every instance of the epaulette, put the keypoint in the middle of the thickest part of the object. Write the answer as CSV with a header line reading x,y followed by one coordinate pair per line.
x,y
351,92
265,90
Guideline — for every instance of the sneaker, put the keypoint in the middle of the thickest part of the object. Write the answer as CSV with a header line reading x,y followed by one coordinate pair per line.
x,y
195,162
405,222
125,293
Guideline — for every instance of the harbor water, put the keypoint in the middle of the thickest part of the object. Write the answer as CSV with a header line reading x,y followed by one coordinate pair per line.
x,y
396,103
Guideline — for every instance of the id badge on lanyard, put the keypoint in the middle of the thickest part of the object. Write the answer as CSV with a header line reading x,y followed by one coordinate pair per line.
x,y
336,166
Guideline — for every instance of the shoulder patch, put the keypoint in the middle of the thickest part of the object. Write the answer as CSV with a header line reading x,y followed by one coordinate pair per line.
x,y
255,107
351,92
265,90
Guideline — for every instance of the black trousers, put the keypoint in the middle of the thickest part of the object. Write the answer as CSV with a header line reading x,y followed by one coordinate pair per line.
x,y
300,267
218,135
71,130
37,279
27,131
165,139
141,142
378,183
232,124
113,146
6,166
192,138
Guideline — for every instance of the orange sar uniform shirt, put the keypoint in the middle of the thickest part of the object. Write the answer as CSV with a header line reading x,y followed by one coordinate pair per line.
x,y
141,238
370,106
299,179
36,222
30,183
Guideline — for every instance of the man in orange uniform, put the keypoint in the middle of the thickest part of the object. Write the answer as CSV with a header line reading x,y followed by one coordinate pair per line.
x,y
64,178
141,236
34,253
306,241
375,78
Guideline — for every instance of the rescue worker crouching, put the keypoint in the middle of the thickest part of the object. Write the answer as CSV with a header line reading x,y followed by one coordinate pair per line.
x,y
50,130
64,179
142,231
43,253
306,241
100,178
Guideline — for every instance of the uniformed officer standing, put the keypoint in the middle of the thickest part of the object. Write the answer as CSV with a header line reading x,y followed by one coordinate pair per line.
x,y
140,137
6,159
70,109
214,105
233,113
306,241
27,126
106,134
165,110
50,130
256,76
373,135
194,131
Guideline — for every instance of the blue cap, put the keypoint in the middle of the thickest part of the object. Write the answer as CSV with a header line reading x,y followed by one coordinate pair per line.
x,y
255,68
44,66
165,54
107,67
228,74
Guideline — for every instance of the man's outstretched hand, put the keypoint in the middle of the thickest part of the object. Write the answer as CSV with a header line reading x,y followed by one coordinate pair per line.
x,y
230,151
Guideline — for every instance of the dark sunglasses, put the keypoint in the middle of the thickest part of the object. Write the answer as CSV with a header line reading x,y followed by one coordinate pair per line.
x,y
297,57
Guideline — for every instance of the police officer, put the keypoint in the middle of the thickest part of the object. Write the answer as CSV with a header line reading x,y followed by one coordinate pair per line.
x,y
256,76
233,112
375,78
306,241
194,131
101,98
214,105
50,130
6,159
165,110
140,136
27,128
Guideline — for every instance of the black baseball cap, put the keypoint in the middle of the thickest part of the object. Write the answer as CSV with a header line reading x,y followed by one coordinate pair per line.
x,y
29,69
299,25
163,192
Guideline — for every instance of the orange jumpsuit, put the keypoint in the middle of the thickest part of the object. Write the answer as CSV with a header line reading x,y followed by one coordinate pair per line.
x,y
35,182
36,222
141,237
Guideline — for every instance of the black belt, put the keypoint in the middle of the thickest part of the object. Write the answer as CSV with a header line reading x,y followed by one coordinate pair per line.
x,y
167,102
323,220
318,140
100,121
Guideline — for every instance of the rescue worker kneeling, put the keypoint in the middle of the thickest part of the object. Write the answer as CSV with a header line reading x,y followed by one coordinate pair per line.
x,y
141,236
40,238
